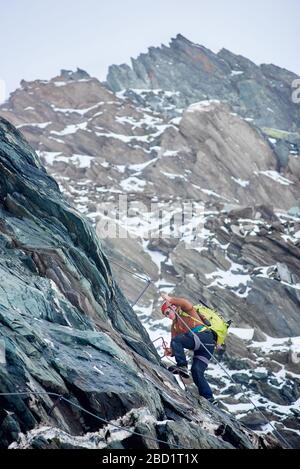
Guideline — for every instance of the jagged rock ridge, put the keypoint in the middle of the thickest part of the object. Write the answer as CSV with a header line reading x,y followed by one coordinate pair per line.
x,y
262,94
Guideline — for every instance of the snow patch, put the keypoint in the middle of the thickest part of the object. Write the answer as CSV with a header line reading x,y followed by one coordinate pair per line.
x,y
141,166
173,176
236,279
210,192
133,184
240,181
244,334
40,125
71,129
59,83
276,177
98,371
78,111
236,72
170,153
202,106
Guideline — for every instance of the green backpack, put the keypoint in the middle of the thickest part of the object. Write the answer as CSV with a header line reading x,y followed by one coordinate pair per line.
x,y
217,323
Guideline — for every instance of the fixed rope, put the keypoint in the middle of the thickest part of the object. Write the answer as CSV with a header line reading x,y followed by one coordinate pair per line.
x,y
139,276
60,397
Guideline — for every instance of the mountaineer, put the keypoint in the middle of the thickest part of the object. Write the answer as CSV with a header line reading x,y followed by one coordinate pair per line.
x,y
193,327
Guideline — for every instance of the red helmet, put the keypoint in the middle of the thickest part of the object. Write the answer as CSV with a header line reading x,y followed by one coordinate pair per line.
x,y
166,305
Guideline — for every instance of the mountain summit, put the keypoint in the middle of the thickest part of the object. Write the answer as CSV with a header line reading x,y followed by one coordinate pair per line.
x,y
260,93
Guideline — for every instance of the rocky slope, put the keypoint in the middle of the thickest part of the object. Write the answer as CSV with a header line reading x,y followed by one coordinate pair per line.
x,y
67,329
211,163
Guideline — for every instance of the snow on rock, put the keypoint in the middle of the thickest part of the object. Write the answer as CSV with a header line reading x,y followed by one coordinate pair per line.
x,y
236,72
245,334
202,106
276,177
133,184
49,156
170,153
81,161
40,125
140,167
236,278
76,110
71,129
240,182
60,83
172,175
210,192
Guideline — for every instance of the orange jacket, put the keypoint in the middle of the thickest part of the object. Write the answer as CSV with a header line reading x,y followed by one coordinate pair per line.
x,y
184,324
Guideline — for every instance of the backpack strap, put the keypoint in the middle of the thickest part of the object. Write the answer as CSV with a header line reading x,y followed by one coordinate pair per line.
x,y
186,315
203,321
204,327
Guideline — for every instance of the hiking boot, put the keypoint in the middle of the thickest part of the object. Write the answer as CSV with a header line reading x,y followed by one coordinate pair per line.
x,y
180,370
218,404
213,401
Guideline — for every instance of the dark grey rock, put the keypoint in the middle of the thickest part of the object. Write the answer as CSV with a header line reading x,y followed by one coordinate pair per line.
x,y
259,336
78,75
241,378
259,375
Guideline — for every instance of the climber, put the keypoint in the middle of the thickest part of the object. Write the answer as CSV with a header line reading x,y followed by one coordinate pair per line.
x,y
184,320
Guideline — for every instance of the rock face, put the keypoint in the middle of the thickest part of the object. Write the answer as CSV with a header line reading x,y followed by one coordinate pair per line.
x,y
67,329
262,93
220,155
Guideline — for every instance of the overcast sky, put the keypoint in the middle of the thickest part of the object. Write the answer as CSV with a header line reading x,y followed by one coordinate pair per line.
x,y
40,37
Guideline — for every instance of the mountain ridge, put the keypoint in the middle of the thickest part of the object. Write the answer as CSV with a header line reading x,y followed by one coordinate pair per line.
x,y
156,148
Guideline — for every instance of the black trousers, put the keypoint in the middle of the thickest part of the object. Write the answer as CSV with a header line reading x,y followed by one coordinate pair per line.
x,y
201,356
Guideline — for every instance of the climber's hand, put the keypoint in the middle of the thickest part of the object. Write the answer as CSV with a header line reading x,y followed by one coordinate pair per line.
x,y
166,297
168,352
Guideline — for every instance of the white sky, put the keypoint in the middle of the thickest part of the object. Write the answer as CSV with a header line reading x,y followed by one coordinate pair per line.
x,y
40,37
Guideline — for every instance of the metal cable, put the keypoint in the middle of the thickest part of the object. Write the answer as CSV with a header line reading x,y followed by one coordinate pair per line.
x,y
60,397
142,293
140,276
